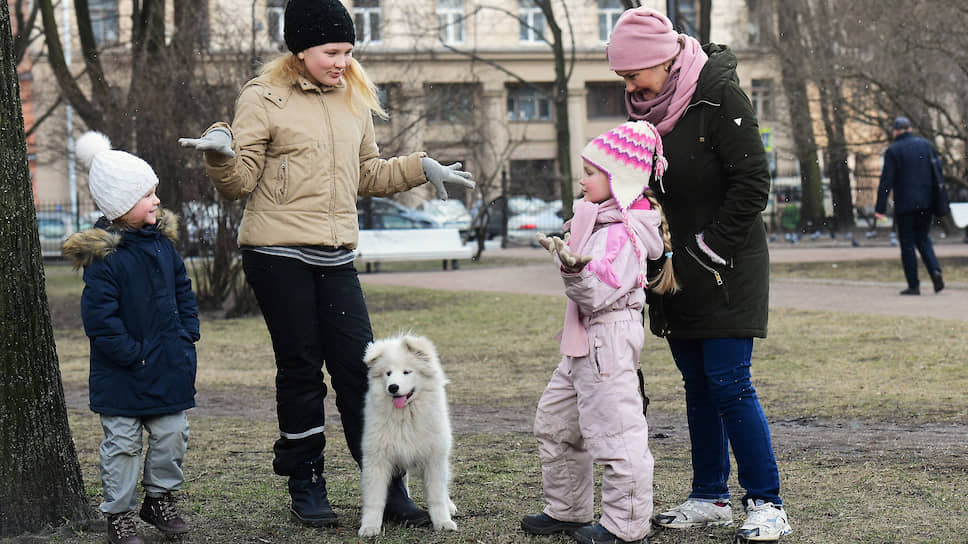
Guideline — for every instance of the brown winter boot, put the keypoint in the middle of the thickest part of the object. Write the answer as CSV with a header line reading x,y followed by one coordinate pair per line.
x,y
122,529
160,512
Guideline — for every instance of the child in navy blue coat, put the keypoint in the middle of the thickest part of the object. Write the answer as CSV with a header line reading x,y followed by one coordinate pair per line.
x,y
141,317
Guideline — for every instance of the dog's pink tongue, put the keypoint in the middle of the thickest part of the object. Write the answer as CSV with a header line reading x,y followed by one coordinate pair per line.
x,y
399,402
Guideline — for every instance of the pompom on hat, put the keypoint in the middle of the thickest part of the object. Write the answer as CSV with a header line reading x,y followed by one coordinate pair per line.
x,y
641,38
309,23
117,180
629,154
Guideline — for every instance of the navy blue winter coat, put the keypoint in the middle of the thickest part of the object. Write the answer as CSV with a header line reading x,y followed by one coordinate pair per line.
x,y
141,317
911,166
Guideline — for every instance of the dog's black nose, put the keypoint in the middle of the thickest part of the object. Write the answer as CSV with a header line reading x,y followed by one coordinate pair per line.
x,y
393,388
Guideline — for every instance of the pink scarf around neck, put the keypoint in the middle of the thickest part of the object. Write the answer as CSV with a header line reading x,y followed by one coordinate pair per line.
x,y
664,110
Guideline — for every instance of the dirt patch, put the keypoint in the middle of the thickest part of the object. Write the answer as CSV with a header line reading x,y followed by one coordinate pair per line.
x,y
857,440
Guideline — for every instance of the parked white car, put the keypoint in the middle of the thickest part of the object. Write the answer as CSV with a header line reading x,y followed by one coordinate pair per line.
x,y
523,227
450,213
54,227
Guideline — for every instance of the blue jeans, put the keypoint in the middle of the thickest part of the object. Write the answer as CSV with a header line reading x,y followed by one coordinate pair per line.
x,y
722,408
913,229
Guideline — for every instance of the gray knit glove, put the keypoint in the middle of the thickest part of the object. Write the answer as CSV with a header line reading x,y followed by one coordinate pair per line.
x,y
438,174
218,140
570,262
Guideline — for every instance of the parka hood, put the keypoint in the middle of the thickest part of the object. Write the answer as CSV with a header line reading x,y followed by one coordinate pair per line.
x,y
719,70
103,239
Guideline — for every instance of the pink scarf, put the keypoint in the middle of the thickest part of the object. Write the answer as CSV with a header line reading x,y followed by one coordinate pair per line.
x,y
664,110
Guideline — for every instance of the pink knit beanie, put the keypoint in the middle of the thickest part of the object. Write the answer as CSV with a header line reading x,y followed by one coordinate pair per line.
x,y
628,154
642,38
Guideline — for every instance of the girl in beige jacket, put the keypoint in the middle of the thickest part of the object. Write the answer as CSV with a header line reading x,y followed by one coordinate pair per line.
x,y
301,149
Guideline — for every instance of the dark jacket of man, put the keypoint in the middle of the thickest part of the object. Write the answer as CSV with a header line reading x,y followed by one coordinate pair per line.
x,y
911,165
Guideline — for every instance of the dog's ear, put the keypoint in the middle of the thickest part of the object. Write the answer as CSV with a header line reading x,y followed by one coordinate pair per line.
x,y
373,352
420,347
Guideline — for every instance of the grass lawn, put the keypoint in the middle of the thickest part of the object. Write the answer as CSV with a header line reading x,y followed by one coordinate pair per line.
x,y
869,417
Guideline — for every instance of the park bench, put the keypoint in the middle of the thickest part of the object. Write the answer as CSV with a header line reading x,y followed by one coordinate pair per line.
x,y
959,214
376,246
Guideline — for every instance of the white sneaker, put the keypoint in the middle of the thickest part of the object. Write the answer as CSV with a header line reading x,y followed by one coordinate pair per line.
x,y
764,522
696,513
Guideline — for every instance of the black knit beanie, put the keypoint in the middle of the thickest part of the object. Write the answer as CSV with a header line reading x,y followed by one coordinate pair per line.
x,y
314,22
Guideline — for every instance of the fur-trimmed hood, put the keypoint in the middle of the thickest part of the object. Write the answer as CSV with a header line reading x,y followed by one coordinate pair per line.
x,y
103,239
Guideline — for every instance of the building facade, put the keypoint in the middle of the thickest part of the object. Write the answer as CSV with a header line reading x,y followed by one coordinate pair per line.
x,y
465,80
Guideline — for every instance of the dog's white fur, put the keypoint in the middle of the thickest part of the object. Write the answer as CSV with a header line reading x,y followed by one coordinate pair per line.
x,y
415,437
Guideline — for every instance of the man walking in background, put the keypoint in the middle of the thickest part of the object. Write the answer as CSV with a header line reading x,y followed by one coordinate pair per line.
x,y
911,167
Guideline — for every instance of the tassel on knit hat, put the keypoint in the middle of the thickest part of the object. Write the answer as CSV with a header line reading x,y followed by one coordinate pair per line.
x,y
117,180
631,156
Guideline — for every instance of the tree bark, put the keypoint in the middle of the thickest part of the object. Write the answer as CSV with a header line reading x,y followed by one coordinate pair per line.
x,y
790,51
40,478
560,100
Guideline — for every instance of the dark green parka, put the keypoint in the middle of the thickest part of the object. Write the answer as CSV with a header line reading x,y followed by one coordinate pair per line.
x,y
717,184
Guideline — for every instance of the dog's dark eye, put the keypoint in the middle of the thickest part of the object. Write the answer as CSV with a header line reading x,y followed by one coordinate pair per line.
x,y
389,372
405,372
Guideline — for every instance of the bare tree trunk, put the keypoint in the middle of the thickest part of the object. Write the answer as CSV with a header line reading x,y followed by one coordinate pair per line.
x,y
560,99
790,51
834,111
40,478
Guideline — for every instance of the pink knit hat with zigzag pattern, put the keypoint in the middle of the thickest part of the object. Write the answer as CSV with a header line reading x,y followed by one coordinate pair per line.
x,y
628,154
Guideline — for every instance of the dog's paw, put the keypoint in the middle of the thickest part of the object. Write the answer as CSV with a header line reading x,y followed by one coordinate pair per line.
x,y
446,525
369,530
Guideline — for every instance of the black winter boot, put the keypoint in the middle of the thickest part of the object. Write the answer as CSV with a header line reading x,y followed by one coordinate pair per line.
x,y
161,512
401,509
122,529
310,505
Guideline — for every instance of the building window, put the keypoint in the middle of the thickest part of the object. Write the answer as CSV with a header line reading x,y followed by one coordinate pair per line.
x,y
532,22
608,13
759,20
367,16
605,100
529,102
450,102
104,20
687,17
761,95
275,21
537,178
450,20
387,94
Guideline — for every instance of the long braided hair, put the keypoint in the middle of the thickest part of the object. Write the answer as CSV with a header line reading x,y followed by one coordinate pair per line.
x,y
665,280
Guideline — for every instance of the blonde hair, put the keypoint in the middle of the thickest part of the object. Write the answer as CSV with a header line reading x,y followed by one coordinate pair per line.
x,y
288,68
665,281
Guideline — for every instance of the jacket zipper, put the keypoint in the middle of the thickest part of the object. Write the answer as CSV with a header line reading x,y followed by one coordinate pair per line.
x,y
285,177
713,271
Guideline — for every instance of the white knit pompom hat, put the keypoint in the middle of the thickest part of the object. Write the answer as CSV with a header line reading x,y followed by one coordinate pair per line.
x,y
117,180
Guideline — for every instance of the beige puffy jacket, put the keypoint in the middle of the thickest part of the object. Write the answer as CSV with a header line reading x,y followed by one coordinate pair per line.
x,y
302,157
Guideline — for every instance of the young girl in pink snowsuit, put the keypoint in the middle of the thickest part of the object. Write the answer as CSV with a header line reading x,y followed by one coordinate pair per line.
x,y
592,410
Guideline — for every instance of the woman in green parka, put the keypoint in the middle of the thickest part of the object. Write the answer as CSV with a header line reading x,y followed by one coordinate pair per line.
x,y
713,193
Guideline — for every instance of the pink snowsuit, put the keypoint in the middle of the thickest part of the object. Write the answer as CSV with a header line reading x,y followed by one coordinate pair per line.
x,y
591,410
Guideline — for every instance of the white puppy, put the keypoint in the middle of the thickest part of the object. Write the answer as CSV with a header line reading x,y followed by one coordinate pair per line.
x,y
406,428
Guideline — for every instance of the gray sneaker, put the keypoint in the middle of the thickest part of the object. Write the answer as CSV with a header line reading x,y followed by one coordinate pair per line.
x,y
696,513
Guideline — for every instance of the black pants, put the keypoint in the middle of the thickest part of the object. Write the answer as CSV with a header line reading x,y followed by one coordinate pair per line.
x,y
315,316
